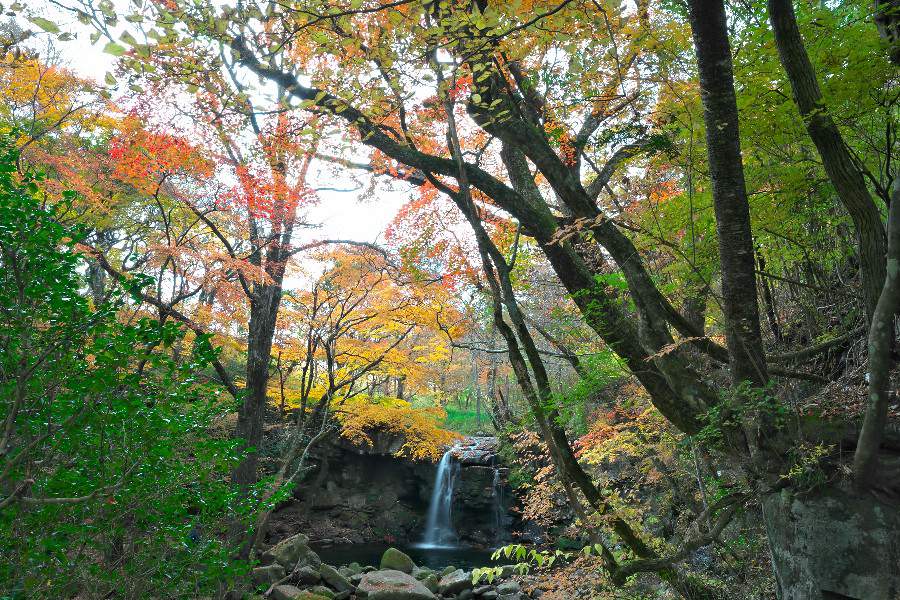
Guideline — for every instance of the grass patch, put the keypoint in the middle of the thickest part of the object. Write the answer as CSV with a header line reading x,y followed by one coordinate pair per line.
x,y
465,421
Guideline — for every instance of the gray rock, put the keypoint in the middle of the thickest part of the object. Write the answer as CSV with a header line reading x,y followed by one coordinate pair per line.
x,y
321,590
335,579
507,571
421,573
489,595
455,582
516,596
392,585
465,595
342,596
267,575
287,552
481,589
307,575
286,592
393,559
355,579
432,582
508,587
447,570
355,568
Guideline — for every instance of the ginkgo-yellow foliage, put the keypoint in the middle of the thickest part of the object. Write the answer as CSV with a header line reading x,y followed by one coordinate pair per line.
x,y
423,438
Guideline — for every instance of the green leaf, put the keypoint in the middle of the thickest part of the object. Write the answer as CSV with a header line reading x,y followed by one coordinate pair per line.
x,y
45,24
128,39
114,49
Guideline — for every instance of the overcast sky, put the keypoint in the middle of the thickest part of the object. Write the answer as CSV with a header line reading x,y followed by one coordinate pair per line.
x,y
341,214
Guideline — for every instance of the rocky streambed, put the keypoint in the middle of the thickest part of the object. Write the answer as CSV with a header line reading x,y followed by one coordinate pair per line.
x,y
291,570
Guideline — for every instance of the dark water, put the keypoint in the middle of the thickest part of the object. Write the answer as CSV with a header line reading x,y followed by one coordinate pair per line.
x,y
433,558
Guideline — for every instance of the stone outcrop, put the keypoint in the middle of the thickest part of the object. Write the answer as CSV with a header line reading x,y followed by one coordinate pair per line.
x,y
365,494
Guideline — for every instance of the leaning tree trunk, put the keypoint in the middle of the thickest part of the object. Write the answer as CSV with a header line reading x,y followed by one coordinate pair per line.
x,y
846,177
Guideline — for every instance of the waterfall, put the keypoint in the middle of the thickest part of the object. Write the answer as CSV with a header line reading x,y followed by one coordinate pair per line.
x,y
498,506
439,530
501,518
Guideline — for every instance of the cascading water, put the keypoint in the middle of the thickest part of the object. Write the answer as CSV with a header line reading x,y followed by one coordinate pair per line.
x,y
499,513
439,532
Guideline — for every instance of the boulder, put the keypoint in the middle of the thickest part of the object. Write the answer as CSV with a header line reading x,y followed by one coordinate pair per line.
x,y
393,585
321,590
508,587
334,579
489,595
267,575
421,573
290,552
289,592
285,592
393,559
307,575
465,595
432,582
447,570
455,582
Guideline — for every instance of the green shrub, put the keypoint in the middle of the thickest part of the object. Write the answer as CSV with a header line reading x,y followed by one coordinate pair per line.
x,y
109,482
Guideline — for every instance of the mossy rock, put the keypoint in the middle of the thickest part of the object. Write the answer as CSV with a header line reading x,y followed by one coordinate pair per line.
x,y
395,560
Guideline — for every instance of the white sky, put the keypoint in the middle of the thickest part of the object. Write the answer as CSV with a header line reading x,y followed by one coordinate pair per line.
x,y
341,214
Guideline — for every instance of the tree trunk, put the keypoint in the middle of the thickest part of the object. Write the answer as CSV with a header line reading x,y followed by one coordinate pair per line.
x,y
766,289
847,179
881,341
726,172
832,545
263,315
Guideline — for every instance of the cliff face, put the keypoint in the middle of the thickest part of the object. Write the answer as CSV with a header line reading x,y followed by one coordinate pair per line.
x,y
359,495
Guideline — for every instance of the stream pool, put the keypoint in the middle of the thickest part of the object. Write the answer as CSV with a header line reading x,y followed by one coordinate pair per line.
x,y
433,558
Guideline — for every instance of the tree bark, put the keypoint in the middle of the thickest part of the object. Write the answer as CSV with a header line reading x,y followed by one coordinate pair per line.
x,y
263,315
881,340
730,204
846,177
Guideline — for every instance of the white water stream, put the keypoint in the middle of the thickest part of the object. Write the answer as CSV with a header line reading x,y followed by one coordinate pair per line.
x,y
439,532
